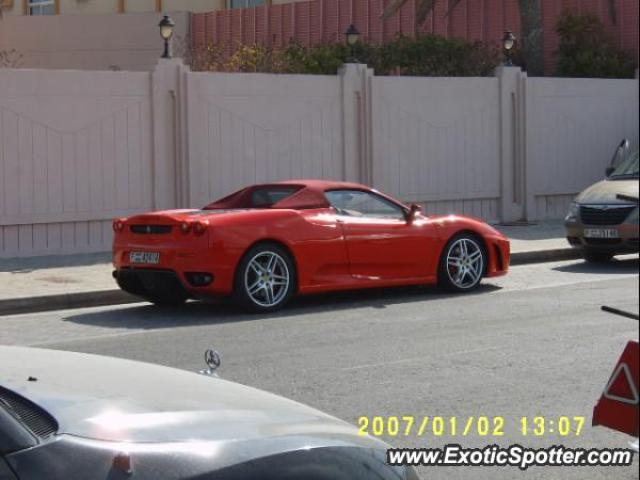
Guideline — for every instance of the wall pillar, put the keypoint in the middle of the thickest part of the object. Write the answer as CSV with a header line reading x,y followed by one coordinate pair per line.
x,y
356,85
170,149
512,141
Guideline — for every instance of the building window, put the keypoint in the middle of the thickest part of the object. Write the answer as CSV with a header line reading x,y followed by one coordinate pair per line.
x,y
41,7
245,3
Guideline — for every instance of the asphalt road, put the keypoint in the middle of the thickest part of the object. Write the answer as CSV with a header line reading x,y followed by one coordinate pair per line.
x,y
534,343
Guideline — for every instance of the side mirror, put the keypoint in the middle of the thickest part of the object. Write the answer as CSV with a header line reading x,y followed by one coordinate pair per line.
x,y
414,209
619,156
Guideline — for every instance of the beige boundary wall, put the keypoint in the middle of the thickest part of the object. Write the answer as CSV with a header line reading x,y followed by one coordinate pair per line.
x,y
75,150
572,127
78,148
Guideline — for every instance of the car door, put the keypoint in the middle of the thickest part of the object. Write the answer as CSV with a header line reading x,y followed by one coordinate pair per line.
x,y
322,256
381,243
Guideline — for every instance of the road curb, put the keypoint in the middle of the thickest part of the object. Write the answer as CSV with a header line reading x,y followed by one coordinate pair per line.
x,y
542,256
65,301
103,298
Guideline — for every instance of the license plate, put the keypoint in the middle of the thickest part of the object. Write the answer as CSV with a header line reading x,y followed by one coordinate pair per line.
x,y
144,257
601,233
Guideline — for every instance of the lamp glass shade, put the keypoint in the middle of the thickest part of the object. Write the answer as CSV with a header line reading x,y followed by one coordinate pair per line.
x,y
508,41
166,32
166,27
352,35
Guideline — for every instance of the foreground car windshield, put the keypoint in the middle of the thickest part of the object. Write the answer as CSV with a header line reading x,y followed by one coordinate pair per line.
x,y
627,169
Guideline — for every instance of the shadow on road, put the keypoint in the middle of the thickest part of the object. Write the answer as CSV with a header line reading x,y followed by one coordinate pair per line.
x,y
150,317
616,266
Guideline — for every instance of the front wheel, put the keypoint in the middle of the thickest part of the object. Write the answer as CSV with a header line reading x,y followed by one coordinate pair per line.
x,y
265,279
463,263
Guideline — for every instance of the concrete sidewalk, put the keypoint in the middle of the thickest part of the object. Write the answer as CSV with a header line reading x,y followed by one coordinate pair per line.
x,y
60,282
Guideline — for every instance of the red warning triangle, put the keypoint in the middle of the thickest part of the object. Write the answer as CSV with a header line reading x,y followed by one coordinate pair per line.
x,y
621,386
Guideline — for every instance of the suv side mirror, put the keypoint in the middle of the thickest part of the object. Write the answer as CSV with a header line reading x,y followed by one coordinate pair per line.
x,y
619,156
414,209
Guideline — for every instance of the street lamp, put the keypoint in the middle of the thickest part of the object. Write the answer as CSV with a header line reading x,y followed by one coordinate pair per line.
x,y
353,35
166,32
508,42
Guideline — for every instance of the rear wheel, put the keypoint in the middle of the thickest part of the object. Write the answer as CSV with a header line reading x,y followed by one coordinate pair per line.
x,y
265,279
463,263
595,256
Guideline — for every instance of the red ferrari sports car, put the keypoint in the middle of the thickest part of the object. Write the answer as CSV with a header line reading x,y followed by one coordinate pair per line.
x,y
265,243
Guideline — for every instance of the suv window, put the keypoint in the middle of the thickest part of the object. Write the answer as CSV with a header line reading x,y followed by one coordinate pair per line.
x,y
358,203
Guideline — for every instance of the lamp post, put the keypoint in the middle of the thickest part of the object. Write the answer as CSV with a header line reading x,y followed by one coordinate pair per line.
x,y
508,42
166,32
353,35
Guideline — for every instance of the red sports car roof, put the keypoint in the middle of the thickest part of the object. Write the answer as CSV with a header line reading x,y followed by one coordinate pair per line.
x,y
324,185
308,194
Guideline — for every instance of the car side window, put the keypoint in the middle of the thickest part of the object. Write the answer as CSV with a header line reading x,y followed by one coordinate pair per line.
x,y
358,203
265,197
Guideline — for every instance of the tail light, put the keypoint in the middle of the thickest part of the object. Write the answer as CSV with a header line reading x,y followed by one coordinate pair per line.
x,y
199,228
118,225
185,227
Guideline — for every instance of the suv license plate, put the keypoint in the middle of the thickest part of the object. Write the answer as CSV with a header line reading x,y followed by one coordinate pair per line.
x,y
144,257
601,233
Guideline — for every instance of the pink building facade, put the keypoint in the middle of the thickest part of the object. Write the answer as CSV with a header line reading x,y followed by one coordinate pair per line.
x,y
317,21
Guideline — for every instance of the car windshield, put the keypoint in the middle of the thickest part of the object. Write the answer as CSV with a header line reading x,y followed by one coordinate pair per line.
x,y
627,169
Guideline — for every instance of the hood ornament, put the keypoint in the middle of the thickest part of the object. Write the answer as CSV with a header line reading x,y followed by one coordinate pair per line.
x,y
213,359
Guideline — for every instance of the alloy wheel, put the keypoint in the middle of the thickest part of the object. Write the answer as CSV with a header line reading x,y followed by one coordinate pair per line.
x,y
266,279
465,263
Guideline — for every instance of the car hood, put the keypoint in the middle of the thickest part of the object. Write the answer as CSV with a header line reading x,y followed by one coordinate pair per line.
x,y
111,399
606,191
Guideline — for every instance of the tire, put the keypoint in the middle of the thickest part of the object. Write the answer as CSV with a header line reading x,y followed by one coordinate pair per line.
x,y
595,256
468,251
265,279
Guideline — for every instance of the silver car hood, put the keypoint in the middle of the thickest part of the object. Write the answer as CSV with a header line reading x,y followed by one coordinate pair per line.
x,y
605,191
111,399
